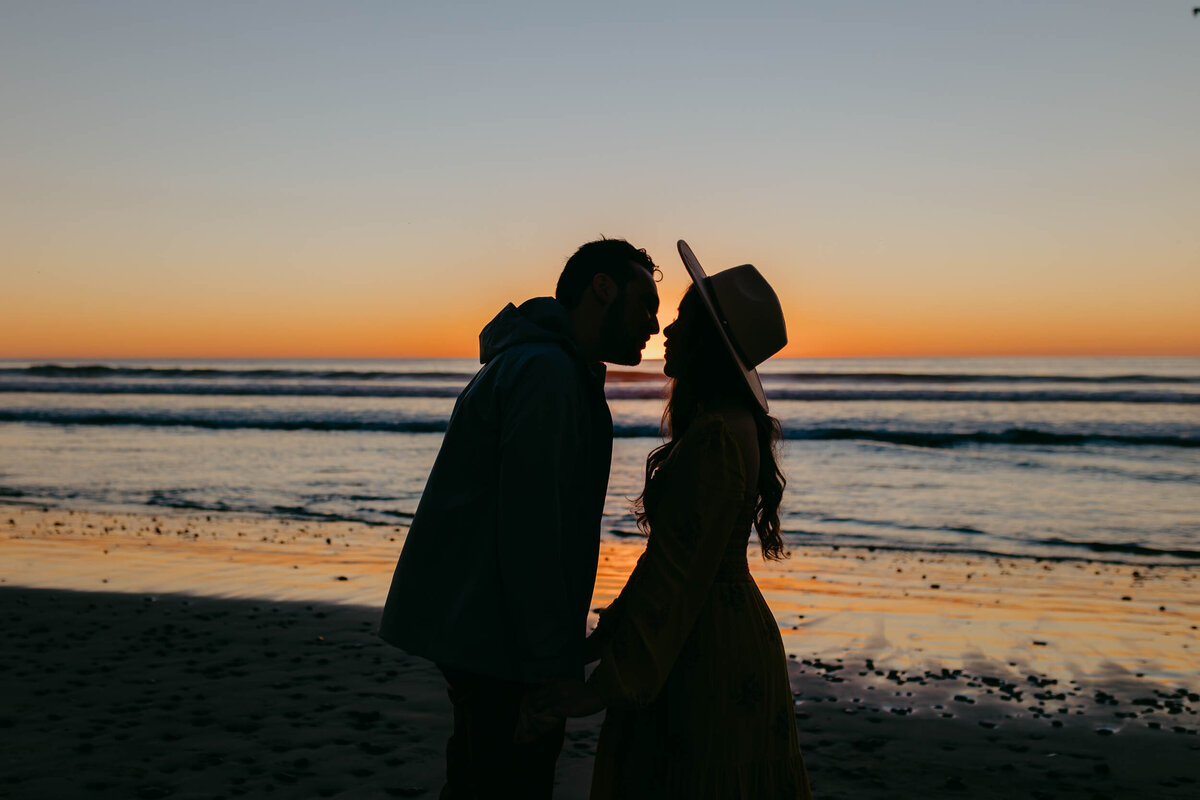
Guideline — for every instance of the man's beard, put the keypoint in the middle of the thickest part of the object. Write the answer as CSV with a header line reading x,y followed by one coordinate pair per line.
x,y
617,346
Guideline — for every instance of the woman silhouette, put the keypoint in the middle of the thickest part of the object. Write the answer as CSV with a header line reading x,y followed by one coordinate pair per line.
x,y
692,668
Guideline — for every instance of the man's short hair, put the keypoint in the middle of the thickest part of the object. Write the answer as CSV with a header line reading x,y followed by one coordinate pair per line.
x,y
616,258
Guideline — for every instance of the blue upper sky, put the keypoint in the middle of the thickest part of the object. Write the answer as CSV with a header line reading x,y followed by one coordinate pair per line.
x,y
868,151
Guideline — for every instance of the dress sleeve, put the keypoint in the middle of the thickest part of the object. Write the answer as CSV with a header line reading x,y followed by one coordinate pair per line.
x,y
701,499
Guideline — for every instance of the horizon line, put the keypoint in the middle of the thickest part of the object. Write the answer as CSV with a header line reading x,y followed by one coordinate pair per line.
x,y
859,356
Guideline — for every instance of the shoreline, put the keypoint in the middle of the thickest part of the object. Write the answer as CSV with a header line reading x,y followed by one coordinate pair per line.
x,y
1095,622
173,655
1130,555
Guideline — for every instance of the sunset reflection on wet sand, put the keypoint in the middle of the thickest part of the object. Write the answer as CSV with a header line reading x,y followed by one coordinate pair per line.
x,y
1089,621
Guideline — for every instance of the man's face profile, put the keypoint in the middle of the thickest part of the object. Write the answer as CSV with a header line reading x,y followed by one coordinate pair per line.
x,y
630,320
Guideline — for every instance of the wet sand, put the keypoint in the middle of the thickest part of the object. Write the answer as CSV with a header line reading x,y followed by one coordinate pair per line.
x,y
185,656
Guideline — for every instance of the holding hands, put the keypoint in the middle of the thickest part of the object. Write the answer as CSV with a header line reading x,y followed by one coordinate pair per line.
x,y
545,707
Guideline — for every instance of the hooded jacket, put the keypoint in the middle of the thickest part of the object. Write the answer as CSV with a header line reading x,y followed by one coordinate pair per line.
x,y
497,571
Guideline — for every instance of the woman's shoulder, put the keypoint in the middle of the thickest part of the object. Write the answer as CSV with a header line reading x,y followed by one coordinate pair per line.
x,y
728,425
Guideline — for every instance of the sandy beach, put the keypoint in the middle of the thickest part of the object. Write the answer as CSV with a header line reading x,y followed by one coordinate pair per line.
x,y
223,656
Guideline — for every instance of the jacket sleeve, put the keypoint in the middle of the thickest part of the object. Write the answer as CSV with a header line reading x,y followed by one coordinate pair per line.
x,y
540,425
690,530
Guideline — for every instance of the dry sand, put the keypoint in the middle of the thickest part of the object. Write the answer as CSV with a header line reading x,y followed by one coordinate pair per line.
x,y
185,656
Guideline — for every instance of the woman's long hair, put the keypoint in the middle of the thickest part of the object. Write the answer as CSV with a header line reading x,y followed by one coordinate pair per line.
x,y
713,380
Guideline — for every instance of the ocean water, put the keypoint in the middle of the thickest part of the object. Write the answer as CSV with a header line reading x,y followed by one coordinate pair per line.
x,y
1095,458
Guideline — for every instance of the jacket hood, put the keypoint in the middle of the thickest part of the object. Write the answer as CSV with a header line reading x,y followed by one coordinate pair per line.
x,y
542,319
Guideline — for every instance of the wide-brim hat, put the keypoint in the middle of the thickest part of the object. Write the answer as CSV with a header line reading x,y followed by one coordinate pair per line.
x,y
747,314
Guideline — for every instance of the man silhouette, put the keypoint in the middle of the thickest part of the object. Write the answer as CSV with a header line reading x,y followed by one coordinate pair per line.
x,y
495,577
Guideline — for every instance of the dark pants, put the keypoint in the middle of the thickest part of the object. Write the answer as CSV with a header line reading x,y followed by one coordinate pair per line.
x,y
482,762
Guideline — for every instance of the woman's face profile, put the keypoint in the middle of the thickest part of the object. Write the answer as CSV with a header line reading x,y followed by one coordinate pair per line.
x,y
682,342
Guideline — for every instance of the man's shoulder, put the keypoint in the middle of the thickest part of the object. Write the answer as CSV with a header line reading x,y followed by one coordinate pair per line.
x,y
539,360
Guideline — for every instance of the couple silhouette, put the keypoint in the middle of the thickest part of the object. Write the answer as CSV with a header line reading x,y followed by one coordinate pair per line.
x,y
495,579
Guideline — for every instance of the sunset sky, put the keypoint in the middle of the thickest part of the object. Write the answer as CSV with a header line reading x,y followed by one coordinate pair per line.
x,y
379,178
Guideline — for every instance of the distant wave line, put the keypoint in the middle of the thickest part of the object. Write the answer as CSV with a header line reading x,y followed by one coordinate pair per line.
x,y
95,417
227,421
616,391
95,371
102,371
228,389
952,378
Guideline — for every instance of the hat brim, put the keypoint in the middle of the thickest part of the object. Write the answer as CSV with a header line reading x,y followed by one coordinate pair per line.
x,y
699,280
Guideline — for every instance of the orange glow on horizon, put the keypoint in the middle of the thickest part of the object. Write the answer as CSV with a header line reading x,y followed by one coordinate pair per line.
x,y
410,313
384,334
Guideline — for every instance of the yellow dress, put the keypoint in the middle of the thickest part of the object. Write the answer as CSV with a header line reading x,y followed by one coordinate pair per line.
x,y
692,664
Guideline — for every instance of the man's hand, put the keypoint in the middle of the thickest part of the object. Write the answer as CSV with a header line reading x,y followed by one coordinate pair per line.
x,y
592,649
567,698
548,705
533,723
